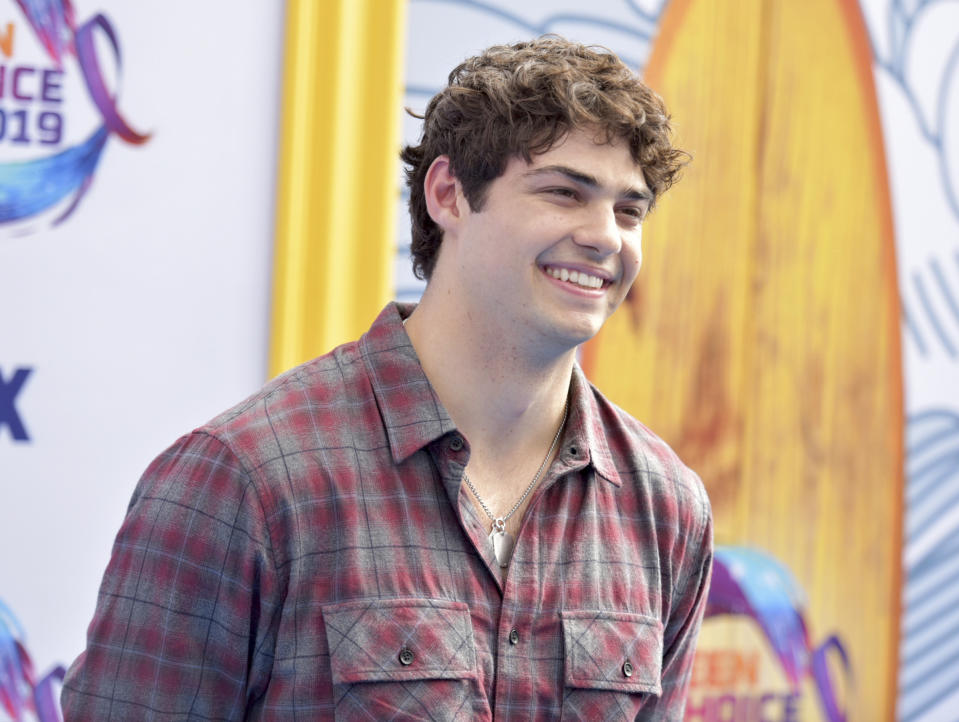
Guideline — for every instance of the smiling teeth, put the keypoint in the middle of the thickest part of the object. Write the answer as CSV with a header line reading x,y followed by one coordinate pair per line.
x,y
577,277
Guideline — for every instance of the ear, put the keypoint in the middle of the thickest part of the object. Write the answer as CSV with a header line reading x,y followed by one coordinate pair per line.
x,y
444,194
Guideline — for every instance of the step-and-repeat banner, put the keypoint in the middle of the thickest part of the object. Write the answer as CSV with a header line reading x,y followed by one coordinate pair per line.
x,y
794,332
137,163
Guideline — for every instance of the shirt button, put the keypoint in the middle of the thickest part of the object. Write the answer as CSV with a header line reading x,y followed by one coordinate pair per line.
x,y
513,636
456,443
627,668
406,656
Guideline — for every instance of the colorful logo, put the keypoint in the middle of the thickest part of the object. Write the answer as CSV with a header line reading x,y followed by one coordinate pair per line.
x,y
728,682
21,692
50,155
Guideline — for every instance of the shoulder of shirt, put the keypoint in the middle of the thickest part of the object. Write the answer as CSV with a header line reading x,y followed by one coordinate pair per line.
x,y
326,378
641,457
251,429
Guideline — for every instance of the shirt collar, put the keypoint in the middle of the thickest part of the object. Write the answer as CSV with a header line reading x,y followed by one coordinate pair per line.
x,y
411,411
585,429
414,417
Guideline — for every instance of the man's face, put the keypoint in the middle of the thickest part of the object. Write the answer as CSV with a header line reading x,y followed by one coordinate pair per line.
x,y
556,245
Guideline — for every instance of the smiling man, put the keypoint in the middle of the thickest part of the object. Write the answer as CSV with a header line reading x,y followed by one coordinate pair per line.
x,y
444,519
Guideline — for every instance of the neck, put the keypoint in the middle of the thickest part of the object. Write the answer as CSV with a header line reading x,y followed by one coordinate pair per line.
x,y
500,393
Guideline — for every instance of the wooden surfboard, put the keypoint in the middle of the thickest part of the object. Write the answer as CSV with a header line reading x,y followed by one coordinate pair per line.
x,y
761,339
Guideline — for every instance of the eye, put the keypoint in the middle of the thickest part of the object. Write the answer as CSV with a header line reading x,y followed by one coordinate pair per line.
x,y
563,192
633,214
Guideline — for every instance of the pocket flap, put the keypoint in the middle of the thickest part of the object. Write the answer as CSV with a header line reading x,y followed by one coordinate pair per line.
x,y
613,650
399,639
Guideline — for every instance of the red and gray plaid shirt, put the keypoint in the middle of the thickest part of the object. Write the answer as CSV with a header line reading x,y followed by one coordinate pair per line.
x,y
308,554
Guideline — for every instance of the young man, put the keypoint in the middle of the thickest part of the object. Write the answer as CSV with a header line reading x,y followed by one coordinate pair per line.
x,y
443,520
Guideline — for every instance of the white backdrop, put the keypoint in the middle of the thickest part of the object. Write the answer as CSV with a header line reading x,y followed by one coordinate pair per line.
x,y
145,312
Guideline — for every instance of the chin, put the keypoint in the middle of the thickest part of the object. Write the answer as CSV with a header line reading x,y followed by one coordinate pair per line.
x,y
574,334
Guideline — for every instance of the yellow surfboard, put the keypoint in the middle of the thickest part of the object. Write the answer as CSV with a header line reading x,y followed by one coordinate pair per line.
x,y
762,337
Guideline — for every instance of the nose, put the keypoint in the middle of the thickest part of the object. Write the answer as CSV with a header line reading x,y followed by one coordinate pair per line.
x,y
599,230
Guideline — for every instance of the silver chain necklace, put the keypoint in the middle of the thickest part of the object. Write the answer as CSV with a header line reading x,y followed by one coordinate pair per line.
x,y
503,541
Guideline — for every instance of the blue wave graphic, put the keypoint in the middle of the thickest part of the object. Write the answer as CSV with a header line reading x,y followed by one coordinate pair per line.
x,y
30,187
929,655
937,325
930,308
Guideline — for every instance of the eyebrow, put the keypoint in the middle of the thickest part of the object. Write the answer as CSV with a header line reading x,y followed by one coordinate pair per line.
x,y
634,194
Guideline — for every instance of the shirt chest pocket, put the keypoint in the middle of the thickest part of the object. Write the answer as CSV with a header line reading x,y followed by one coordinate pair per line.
x,y
403,659
613,662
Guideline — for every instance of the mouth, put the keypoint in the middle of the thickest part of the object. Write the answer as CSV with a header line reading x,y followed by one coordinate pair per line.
x,y
582,279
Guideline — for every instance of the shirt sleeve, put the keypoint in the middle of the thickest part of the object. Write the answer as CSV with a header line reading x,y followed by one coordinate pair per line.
x,y
184,626
695,559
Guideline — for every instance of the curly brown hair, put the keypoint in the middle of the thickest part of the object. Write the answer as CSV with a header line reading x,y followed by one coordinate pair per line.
x,y
519,100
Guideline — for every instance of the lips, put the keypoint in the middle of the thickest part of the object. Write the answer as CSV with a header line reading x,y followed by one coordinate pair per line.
x,y
578,278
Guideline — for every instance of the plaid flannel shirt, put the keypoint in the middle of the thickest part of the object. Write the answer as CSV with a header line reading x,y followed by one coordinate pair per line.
x,y
309,555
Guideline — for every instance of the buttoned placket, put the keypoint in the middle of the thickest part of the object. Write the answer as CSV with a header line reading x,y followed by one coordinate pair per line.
x,y
455,456
514,636
513,639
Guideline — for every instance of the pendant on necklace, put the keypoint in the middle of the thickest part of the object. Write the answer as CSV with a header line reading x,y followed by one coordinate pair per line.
x,y
502,546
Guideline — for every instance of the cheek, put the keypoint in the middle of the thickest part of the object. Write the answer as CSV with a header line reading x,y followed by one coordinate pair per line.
x,y
633,257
